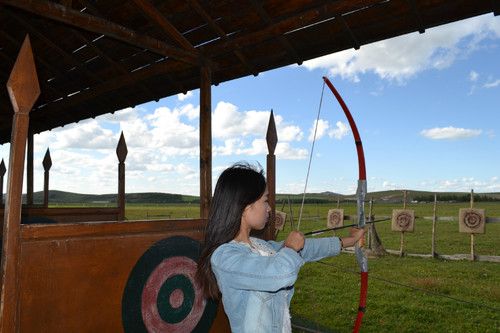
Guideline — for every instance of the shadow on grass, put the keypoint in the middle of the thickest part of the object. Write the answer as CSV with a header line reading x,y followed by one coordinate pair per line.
x,y
302,325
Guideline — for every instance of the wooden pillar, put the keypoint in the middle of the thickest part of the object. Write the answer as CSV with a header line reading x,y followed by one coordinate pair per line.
x,y
29,170
23,90
47,164
205,141
472,243
272,140
2,174
434,220
121,152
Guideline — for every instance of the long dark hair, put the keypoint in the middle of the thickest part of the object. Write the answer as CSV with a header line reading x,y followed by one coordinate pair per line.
x,y
237,187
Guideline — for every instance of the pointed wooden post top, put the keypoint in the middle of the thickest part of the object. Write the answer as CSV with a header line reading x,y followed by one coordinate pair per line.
x,y
2,168
47,161
23,84
272,135
121,149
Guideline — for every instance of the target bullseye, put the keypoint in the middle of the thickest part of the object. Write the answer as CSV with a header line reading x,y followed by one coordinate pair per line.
x,y
162,294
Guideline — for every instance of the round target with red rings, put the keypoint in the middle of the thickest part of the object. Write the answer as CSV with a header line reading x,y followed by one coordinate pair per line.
x,y
162,295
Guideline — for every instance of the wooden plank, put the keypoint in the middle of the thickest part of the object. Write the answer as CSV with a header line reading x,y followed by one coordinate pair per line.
x,y
104,229
80,289
23,91
95,24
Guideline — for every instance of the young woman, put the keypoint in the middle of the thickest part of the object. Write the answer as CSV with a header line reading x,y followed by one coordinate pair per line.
x,y
255,277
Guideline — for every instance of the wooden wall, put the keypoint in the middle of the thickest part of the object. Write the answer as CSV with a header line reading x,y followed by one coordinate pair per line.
x,y
72,276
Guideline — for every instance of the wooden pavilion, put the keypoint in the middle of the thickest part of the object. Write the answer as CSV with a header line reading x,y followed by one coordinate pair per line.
x,y
93,271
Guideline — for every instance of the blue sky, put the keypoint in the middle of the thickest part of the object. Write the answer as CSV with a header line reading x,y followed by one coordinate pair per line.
x,y
427,108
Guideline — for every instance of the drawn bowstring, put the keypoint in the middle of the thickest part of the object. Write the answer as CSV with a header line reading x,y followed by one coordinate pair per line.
x,y
310,157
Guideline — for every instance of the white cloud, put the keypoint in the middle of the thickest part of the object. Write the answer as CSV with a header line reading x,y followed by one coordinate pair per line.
x,y
169,130
339,132
473,76
450,132
402,57
318,129
492,84
87,134
183,97
228,122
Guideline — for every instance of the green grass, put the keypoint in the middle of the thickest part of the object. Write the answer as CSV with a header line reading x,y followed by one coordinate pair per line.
x,y
405,294
161,211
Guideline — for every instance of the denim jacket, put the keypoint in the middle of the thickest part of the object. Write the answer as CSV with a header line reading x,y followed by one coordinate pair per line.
x,y
257,289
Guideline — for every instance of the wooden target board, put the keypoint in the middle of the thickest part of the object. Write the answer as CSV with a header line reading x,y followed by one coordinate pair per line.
x,y
335,218
279,220
471,220
162,295
403,220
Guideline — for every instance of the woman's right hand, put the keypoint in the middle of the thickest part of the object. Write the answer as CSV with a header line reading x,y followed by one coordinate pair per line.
x,y
295,240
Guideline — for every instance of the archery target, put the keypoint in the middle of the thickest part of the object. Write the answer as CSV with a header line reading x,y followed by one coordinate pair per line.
x,y
403,220
162,295
279,220
471,220
335,218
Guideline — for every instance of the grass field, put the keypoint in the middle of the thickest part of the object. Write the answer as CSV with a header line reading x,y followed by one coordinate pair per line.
x,y
405,294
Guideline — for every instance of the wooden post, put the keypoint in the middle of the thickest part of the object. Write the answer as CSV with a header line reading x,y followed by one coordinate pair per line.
x,y
472,247
272,140
121,152
434,219
29,170
2,174
402,240
47,164
370,229
291,213
205,141
23,91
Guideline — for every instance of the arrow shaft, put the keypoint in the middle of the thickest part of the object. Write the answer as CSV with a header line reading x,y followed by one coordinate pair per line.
x,y
317,232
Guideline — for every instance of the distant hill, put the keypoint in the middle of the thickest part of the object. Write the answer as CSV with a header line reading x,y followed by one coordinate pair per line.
x,y
394,196
62,197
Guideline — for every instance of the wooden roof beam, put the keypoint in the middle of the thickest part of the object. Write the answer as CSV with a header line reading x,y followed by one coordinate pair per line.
x,y
157,17
223,36
418,17
297,21
355,42
79,20
39,60
69,58
285,42
118,82
96,11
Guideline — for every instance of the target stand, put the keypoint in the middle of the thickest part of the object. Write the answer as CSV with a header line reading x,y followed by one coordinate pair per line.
x,y
471,220
279,221
335,218
403,220
162,295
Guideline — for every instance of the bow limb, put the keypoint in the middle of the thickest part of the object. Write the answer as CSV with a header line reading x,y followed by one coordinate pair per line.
x,y
360,196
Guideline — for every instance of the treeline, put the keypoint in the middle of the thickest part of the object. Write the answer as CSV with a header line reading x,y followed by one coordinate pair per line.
x,y
297,200
455,198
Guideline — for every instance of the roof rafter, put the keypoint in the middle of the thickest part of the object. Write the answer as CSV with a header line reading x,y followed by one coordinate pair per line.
x,y
157,17
223,36
94,24
297,21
